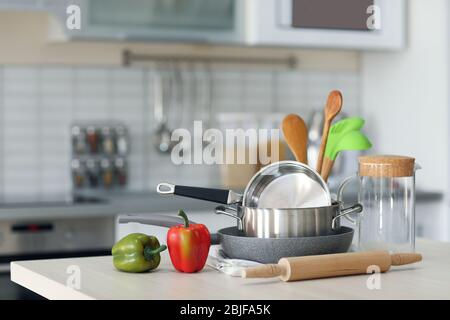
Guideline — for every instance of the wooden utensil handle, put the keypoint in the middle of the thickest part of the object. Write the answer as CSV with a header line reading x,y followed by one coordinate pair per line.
x,y
323,144
327,166
265,271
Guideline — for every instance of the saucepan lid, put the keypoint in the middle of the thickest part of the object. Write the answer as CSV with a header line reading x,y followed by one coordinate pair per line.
x,y
286,184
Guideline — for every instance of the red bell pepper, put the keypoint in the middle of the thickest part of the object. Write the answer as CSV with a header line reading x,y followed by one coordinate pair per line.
x,y
188,245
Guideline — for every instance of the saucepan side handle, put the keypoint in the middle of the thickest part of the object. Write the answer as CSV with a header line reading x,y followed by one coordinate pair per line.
x,y
340,195
223,210
356,208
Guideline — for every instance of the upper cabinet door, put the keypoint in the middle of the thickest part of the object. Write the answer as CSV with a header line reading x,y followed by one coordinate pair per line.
x,y
161,20
343,24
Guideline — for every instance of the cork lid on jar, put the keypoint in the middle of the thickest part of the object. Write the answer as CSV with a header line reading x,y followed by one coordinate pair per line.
x,y
386,166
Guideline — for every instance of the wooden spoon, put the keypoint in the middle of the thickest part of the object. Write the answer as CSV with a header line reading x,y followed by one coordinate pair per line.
x,y
332,109
296,135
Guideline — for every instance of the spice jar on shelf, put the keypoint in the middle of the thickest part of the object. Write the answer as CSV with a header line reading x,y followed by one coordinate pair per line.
x,y
93,139
106,173
121,171
92,172
108,145
122,142
78,173
79,140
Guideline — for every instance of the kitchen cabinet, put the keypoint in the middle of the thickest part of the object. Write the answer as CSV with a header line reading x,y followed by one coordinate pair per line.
x,y
197,21
35,5
428,279
344,24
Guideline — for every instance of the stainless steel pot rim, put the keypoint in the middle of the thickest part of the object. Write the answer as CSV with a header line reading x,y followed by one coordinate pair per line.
x,y
270,167
228,232
235,207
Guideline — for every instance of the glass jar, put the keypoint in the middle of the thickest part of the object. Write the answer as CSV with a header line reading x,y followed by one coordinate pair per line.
x,y
79,140
78,173
387,194
108,147
122,140
107,173
121,171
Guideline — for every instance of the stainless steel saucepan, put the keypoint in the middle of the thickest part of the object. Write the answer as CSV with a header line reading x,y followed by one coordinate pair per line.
x,y
283,200
289,223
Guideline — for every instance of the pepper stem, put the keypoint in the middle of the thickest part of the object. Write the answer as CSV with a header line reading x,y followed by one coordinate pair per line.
x,y
149,252
182,214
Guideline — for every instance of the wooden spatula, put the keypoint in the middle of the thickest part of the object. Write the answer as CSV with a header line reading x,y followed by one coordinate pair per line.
x,y
332,109
331,265
296,135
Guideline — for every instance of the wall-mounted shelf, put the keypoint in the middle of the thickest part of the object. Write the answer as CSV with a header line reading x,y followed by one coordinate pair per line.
x,y
128,58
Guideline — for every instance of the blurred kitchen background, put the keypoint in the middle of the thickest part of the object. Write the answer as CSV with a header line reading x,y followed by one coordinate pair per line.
x,y
80,110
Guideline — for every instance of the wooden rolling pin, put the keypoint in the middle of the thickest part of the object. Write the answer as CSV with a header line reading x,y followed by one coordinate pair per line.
x,y
330,265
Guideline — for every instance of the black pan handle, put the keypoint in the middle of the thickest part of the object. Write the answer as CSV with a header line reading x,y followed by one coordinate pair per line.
x,y
215,238
207,194
160,220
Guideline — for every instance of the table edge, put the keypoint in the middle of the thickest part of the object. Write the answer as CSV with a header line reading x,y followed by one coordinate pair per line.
x,y
44,286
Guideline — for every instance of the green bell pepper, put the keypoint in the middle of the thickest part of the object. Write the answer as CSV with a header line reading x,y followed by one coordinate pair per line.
x,y
137,252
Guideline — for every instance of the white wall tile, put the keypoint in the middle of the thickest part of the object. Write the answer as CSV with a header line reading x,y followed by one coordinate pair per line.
x,y
20,73
38,105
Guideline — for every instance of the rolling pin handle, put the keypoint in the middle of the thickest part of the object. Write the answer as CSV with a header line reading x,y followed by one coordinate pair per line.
x,y
400,259
265,271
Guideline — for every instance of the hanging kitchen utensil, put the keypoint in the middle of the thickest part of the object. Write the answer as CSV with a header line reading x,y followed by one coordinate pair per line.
x,y
332,109
205,101
206,92
237,246
296,135
284,184
331,265
162,135
344,136
315,125
178,95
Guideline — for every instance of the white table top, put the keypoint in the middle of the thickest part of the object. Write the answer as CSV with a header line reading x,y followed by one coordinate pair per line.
x,y
429,279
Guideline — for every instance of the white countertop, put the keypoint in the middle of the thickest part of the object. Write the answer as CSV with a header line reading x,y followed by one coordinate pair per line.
x,y
429,279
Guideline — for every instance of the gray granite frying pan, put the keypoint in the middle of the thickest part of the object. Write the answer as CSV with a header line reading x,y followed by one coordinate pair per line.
x,y
264,250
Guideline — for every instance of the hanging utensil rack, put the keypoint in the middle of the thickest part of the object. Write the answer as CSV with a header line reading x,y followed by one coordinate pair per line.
x,y
129,57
